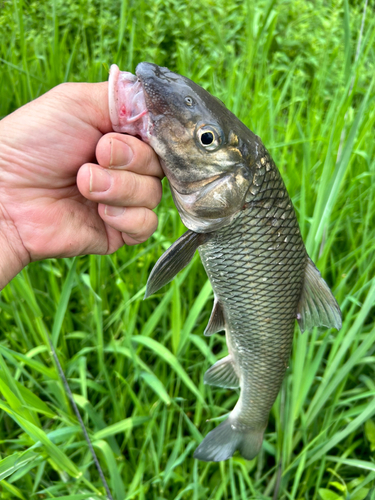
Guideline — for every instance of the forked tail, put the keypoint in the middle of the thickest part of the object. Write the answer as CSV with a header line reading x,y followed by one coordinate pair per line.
x,y
222,442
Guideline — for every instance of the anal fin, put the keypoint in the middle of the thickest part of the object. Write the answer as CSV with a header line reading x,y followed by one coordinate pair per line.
x,y
222,374
178,256
216,323
317,306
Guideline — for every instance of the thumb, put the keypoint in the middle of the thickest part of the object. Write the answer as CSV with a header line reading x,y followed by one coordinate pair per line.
x,y
91,103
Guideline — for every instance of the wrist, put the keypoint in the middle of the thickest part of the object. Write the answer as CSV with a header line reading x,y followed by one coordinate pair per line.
x,y
11,261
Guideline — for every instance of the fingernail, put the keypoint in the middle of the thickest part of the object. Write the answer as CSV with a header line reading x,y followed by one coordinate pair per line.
x,y
114,211
100,180
121,154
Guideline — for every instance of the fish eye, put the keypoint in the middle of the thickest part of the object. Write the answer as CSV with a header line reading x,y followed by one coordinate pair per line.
x,y
207,138
210,137
189,101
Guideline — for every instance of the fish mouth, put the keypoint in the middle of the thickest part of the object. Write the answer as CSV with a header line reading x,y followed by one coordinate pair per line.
x,y
128,96
127,107
131,97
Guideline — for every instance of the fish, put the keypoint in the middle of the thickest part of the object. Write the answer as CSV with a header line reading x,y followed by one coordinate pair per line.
x,y
233,201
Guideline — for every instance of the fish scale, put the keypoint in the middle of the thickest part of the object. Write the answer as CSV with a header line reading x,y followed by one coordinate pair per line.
x,y
259,294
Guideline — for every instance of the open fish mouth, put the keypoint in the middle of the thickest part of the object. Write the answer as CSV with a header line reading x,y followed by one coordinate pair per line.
x,y
127,106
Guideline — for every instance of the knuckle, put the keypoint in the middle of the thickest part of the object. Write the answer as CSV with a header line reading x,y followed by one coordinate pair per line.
x,y
132,187
152,192
68,93
63,89
147,155
150,155
145,219
159,192
147,224
150,222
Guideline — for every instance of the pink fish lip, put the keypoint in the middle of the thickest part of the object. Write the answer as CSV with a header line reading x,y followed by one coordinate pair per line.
x,y
127,108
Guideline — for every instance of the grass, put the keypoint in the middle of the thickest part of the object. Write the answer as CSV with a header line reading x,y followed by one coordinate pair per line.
x,y
294,73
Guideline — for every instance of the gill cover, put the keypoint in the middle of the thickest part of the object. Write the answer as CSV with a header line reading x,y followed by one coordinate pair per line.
x,y
214,204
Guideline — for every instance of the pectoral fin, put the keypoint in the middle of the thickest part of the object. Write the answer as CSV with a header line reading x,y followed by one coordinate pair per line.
x,y
317,306
222,374
173,260
216,323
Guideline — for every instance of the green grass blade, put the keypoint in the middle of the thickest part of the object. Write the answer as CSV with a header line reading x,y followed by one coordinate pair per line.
x,y
164,353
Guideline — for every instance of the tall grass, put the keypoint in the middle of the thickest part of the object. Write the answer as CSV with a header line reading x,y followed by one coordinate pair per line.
x,y
294,73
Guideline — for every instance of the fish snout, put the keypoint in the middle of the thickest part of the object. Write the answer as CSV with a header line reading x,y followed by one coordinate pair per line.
x,y
146,71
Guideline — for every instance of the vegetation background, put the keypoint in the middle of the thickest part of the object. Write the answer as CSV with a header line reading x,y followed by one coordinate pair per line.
x,y
301,75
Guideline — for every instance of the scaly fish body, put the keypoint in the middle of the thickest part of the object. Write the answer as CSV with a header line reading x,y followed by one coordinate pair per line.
x,y
231,196
256,267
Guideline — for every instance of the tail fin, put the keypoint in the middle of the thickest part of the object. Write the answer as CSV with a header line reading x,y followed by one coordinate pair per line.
x,y
222,442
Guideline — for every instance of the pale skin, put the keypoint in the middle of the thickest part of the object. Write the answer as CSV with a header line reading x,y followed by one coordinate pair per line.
x,y
68,184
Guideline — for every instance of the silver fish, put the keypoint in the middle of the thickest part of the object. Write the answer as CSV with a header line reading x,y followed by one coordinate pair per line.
x,y
231,197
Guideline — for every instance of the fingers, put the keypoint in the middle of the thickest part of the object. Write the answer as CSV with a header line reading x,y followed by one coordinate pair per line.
x,y
118,188
130,176
136,224
126,185
129,153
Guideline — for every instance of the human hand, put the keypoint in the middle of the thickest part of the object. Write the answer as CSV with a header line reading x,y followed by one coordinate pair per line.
x,y
54,201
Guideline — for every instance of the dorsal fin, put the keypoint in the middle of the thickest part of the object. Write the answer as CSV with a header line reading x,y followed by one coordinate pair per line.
x,y
317,306
178,256
216,323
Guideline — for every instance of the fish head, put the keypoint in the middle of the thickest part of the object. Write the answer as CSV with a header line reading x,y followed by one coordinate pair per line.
x,y
207,154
